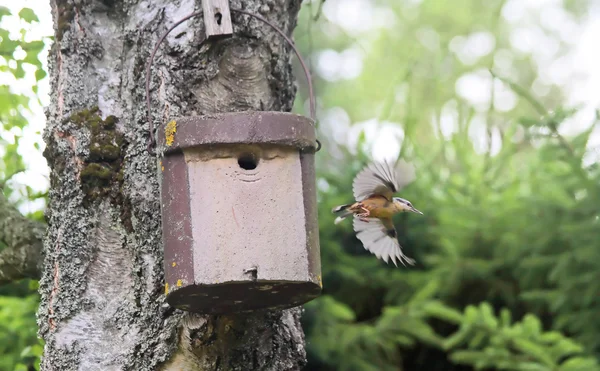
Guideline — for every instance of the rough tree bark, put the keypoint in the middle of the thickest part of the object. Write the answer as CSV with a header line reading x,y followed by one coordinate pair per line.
x,y
102,290
22,256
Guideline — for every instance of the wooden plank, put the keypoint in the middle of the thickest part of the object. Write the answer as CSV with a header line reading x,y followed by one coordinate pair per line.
x,y
217,18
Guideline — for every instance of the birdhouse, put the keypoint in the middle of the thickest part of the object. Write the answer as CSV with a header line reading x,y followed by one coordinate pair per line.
x,y
239,212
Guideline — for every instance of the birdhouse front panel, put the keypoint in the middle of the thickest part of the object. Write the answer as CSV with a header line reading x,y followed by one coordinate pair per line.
x,y
248,203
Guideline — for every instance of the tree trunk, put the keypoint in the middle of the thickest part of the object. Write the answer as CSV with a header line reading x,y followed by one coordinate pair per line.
x,y
103,305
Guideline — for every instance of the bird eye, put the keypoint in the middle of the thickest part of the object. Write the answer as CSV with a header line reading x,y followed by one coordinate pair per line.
x,y
408,203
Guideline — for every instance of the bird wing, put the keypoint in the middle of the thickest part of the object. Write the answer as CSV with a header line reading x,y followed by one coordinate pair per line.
x,y
383,179
380,238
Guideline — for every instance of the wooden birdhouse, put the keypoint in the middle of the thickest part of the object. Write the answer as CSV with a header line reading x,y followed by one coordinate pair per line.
x,y
239,211
238,200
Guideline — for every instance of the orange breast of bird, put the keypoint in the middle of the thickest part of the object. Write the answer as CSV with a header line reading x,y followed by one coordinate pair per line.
x,y
378,206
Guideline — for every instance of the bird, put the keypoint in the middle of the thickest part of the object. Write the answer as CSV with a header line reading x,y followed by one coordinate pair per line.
x,y
375,205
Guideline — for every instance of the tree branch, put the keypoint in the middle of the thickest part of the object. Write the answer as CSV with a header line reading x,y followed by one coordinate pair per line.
x,y
22,257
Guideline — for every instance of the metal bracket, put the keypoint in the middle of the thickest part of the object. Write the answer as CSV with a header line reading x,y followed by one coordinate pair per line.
x,y
217,19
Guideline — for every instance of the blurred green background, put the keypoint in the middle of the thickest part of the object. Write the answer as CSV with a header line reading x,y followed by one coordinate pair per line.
x,y
495,102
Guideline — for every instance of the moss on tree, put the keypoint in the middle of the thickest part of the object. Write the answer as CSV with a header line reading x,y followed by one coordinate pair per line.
x,y
102,173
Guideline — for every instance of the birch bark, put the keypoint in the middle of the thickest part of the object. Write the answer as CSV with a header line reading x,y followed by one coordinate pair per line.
x,y
102,290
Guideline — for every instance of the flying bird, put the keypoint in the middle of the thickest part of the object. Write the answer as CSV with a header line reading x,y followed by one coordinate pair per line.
x,y
374,188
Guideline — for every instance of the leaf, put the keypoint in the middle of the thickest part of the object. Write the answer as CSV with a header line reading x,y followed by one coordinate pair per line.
x,y
534,350
523,93
579,364
457,339
338,310
487,315
26,351
34,285
532,324
505,317
28,15
421,331
471,314
528,122
40,74
18,72
567,347
439,310
478,340
426,292
581,140
404,340
4,11
34,46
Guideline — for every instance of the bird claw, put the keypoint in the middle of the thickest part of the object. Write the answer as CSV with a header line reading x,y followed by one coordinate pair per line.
x,y
363,217
365,214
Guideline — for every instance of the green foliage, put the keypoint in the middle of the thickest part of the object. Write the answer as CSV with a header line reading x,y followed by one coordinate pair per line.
x,y
508,269
493,342
19,345
482,340
28,15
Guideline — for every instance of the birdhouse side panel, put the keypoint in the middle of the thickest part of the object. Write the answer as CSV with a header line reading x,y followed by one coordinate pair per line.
x,y
176,222
311,210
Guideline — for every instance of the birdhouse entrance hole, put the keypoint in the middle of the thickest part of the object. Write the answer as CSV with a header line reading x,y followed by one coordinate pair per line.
x,y
248,161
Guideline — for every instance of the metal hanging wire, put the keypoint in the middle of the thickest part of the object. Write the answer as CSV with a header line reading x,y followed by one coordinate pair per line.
x,y
312,100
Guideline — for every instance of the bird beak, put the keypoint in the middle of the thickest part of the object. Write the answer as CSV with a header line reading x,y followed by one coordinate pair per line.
x,y
416,211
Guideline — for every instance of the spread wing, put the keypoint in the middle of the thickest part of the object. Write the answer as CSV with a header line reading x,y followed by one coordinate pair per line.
x,y
383,179
380,238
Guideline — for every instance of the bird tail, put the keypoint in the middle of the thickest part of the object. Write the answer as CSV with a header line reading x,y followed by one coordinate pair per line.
x,y
342,212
